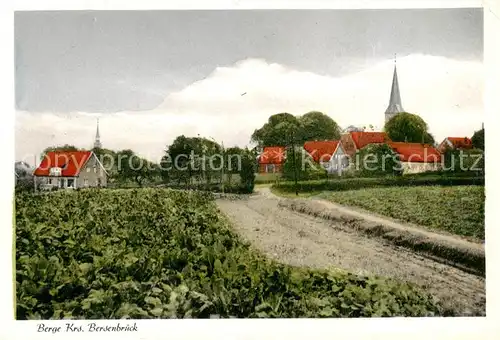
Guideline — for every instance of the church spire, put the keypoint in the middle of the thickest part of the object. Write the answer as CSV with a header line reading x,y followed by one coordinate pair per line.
x,y
395,105
97,142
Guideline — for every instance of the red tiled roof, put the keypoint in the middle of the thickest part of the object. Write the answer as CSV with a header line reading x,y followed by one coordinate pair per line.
x,y
321,150
416,152
362,139
272,155
461,142
71,162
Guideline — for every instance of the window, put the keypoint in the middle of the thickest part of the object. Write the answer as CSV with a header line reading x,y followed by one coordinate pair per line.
x,y
95,170
98,182
88,169
86,182
71,182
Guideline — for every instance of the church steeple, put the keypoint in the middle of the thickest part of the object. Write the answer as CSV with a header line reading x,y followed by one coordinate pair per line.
x,y
97,142
395,105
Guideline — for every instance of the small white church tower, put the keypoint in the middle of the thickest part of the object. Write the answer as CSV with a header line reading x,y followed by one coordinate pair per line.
x,y
97,142
395,105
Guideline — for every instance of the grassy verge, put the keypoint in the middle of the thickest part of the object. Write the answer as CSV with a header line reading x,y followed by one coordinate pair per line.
x,y
466,256
159,253
458,209
277,191
343,184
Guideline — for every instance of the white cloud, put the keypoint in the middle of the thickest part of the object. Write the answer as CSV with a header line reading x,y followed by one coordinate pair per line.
x,y
446,93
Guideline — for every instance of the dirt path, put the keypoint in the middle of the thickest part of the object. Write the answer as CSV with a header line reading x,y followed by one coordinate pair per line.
x,y
301,240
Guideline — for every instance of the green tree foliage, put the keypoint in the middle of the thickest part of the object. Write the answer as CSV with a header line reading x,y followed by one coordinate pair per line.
x,y
190,159
65,147
107,158
269,134
377,160
408,127
478,139
311,126
130,167
316,125
464,160
247,172
306,167
233,161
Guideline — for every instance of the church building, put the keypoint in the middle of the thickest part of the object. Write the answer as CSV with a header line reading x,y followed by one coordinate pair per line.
x,y
395,105
97,142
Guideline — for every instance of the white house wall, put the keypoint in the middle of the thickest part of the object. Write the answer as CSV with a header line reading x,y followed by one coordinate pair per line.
x,y
417,167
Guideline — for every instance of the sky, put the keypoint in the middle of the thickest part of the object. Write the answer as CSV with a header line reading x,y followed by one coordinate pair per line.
x,y
150,76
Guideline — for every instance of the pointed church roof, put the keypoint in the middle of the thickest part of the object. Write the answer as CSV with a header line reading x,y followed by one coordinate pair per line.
x,y
395,105
97,136
97,142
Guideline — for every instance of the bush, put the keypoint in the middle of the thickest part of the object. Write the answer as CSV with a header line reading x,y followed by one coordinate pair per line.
x,y
385,161
460,161
25,184
247,173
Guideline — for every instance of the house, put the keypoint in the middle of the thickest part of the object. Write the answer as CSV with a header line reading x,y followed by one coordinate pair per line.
x,y
458,143
356,140
417,157
271,159
71,169
330,154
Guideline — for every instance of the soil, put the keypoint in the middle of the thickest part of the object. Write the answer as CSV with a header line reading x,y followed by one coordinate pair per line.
x,y
302,240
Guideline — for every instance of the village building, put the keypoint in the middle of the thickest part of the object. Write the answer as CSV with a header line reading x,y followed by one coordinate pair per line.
x,y
71,169
329,154
456,143
417,157
271,159
356,140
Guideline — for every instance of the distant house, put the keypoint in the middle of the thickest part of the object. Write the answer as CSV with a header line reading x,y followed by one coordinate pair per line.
x,y
356,140
457,143
330,154
417,157
71,169
271,159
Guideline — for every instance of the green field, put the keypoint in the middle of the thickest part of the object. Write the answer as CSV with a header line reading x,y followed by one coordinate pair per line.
x,y
456,209
160,253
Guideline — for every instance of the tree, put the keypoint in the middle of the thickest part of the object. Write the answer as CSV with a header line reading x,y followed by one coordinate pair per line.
x,y
478,139
107,158
408,127
316,125
230,156
24,177
313,125
132,167
377,160
269,135
471,160
303,166
191,158
247,172
65,147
